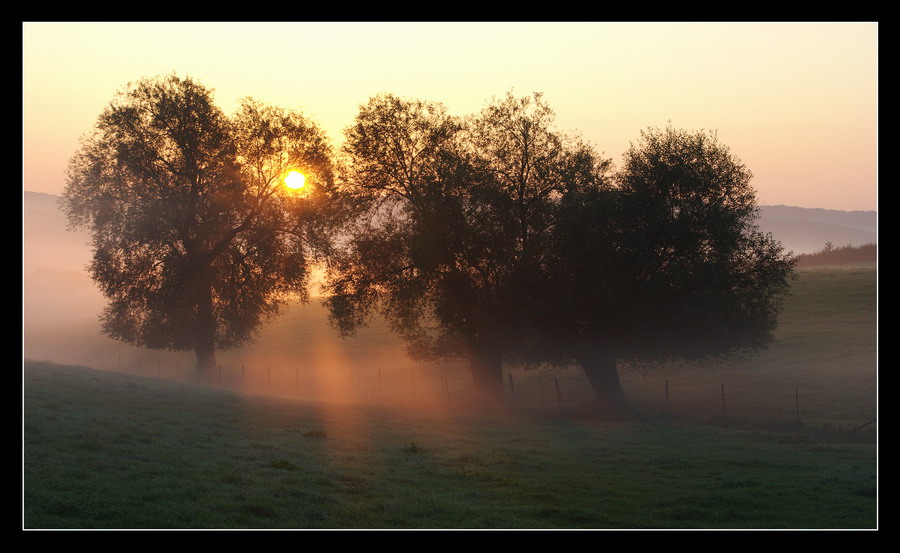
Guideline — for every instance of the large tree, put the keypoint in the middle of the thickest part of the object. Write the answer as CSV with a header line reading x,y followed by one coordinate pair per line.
x,y
196,242
665,262
455,225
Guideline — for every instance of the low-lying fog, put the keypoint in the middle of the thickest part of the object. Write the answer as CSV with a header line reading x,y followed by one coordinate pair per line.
x,y
298,355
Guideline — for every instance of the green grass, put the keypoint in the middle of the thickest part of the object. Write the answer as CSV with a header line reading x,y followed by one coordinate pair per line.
x,y
109,450
104,450
825,352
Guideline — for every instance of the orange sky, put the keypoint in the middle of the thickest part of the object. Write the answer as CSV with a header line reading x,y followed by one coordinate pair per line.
x,y
797,102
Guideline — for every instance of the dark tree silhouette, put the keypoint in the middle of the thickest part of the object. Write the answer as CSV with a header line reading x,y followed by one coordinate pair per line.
x,y
455,225
496,238
196,243
666,262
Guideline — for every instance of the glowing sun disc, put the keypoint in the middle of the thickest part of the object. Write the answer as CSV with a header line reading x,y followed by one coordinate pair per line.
x,y
295,180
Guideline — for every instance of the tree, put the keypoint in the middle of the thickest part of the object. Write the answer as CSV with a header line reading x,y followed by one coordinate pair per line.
x,y
666,263
195,242
528,165
454,228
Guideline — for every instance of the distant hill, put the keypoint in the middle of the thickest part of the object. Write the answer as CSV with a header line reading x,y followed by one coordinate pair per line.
x,y
806,230
48,244
865,220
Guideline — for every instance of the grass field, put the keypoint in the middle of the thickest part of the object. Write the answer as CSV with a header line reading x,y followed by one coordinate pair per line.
x,y
110,450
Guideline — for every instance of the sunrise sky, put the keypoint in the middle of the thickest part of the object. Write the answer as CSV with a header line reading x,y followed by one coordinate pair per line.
x,y
797,102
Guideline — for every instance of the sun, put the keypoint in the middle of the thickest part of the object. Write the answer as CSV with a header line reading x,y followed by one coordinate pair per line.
x,y
295,180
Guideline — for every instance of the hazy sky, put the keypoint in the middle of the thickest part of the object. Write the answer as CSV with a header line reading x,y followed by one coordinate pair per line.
x,y
797,102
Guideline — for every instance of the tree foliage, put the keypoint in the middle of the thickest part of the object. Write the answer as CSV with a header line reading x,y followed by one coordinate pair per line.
x,y
492,237
196,244
668,263
456,227
495,237
711,279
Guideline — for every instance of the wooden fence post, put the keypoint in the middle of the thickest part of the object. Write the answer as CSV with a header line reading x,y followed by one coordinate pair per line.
x,y
512,387
558,393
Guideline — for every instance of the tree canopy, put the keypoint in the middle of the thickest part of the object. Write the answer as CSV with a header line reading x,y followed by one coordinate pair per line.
x,y
196,243
496,237
667,263
456,226
492,237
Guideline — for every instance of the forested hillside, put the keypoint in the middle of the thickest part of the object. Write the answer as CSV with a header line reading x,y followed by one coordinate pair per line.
x,y
843,255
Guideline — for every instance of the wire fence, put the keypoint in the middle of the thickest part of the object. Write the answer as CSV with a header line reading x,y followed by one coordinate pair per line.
x,y
451,385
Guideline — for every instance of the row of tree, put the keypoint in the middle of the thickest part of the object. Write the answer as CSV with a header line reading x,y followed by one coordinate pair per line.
x,y
839,255
492,237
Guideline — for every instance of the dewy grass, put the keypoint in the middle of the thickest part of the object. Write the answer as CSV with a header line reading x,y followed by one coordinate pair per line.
x,y
107,450
163,460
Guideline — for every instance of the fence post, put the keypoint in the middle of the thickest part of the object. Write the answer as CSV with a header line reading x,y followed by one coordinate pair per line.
x,y
558,393
512,387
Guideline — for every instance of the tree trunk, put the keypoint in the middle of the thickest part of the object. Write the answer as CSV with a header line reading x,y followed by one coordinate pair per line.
x,y
206,363
603,375
205,329
487,372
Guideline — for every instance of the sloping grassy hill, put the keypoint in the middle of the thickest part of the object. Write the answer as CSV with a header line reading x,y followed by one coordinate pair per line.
x,y
387,447
825,353
106,450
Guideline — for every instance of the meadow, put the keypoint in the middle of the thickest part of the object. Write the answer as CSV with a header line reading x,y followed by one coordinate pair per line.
x,y
782,439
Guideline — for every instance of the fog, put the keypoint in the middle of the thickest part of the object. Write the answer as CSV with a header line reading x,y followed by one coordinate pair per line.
x,y
299,355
